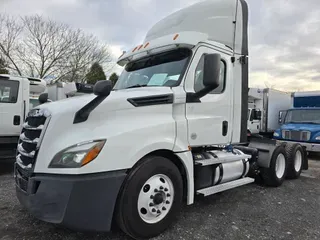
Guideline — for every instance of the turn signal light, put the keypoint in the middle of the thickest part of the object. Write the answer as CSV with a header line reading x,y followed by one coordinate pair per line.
x,y
92,154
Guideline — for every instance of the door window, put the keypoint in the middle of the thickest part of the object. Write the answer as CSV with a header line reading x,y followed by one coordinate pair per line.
x,y
9,91
198,82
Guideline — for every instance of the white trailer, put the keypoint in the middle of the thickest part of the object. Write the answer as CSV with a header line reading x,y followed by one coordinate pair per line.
x,y
61,90
264,108
170,129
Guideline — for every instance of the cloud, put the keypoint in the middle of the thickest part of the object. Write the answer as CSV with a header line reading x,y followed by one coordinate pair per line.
x,y
284,35
285,45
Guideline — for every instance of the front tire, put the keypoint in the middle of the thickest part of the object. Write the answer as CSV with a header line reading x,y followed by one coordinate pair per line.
x,y
276,173
150,199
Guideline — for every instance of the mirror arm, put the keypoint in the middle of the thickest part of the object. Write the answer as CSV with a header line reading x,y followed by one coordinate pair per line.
x,y
83,114
195,97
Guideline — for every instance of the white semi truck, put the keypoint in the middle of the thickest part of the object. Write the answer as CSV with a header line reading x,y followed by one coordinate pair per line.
x,y
264,106
17,96
174,126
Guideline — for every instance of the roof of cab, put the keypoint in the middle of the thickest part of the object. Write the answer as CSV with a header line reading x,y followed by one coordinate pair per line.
x,y
222,21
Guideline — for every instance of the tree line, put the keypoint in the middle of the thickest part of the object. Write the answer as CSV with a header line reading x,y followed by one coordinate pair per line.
x,y
39,47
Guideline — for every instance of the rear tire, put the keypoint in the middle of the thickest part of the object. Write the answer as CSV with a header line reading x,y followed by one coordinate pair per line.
x,y
295,156
276,173
142,212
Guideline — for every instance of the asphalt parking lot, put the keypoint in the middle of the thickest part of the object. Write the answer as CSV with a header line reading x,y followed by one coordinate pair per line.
x,y
291,211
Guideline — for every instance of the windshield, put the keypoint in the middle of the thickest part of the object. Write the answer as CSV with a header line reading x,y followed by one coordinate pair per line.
x,y
9,91
160,70
303,116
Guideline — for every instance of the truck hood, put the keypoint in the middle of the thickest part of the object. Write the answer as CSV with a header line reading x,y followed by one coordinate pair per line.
x,y
117,100
301,127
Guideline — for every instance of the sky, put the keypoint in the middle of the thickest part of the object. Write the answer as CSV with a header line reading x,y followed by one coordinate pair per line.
x,y
284,35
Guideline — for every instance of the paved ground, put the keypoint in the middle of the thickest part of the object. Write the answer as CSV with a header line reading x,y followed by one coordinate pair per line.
x,y
251,212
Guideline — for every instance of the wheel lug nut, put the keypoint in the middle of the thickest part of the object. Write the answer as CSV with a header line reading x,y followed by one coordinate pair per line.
x,y
151,204
151,197
153,210
161,188
168,195
158,211
156,190
166,189
167,202
164,209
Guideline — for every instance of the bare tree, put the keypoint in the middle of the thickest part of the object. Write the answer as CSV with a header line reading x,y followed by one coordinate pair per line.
x,y
44,48
9,33
87,50
271,86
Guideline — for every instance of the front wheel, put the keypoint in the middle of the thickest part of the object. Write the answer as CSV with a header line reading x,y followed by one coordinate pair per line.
x,y
276,173
150,199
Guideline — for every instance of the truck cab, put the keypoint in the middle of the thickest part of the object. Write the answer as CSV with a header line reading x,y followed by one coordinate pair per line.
x,y
301,125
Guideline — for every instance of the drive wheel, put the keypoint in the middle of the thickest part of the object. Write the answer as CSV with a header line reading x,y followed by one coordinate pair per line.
x,y
295,160
150,199
276,173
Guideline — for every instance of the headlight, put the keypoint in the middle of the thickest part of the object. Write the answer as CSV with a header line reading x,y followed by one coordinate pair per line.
x,y
78,155
318,138
275,134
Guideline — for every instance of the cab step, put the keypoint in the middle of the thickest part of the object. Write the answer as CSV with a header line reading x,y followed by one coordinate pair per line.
x,y
225,186
222,159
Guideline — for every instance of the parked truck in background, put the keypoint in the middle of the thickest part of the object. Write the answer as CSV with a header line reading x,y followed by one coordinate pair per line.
x,y
174,126
62,90
301,122
17,96
264,106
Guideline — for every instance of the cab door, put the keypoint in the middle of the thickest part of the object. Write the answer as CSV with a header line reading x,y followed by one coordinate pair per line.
x,y
11,107
209,119
254,121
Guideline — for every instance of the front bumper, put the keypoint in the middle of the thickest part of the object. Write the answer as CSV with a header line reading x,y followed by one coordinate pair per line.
x,y
82,202
310,147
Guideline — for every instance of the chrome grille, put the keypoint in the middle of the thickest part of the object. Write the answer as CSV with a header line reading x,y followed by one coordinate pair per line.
x,y
296,135
30,137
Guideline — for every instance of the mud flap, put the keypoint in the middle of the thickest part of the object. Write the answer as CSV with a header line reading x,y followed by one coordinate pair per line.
x,y
305,165
265,147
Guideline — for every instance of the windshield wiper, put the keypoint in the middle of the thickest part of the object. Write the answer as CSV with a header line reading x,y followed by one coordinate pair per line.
x,y
137,86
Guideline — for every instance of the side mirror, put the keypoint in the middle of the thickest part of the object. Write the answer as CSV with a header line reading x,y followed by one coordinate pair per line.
x,y
43,98
211,71
282,115
102,88
211,75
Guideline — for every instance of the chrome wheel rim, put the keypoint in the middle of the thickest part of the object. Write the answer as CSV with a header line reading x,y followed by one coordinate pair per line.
x,y
155,198
298,161
280,165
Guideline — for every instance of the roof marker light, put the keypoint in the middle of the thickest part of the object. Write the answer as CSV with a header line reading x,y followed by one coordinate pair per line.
x,y
175,37
140,46
135,49
147,44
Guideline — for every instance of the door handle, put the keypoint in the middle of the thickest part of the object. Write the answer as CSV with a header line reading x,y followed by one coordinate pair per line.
x,y
16,120
224,128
